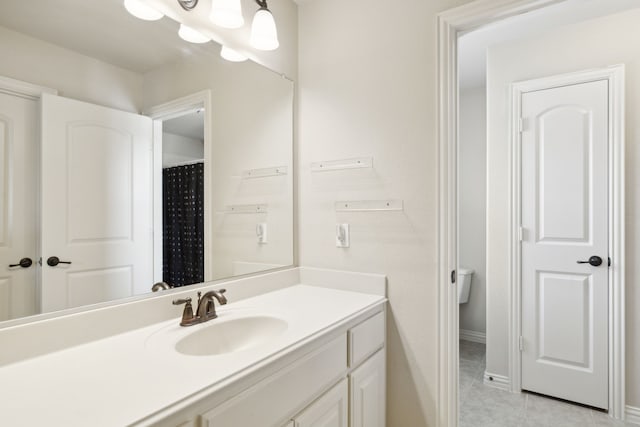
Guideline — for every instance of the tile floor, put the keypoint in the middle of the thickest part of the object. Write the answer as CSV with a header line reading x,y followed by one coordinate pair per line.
x,y
484,406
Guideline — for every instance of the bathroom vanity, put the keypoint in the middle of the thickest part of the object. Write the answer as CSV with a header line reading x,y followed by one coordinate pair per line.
x,y
84,342
295,348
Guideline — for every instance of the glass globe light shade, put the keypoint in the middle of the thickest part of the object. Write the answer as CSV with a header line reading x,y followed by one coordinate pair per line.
x,y
264,34
189,34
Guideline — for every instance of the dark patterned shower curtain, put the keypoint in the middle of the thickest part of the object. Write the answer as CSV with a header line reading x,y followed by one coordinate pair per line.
x,y
183,224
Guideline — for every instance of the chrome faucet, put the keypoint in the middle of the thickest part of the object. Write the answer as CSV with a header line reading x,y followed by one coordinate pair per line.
x,y
206,307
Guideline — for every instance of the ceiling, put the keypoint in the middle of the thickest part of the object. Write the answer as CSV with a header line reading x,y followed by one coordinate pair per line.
x,y
472,46
102,29
190,125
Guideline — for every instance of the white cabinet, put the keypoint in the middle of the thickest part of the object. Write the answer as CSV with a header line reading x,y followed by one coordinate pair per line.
x,y
268,402
365,339
330,410
339,384
367,389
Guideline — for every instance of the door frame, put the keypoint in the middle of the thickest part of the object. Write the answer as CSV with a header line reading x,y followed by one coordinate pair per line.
x,y
33,92
614,75
450,24
23,89
166,111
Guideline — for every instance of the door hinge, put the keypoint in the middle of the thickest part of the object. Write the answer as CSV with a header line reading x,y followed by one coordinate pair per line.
x,y
520,233
521,343
453,277
520,125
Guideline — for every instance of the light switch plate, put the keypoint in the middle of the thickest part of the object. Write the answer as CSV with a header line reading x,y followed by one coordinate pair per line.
x,y
261,232
342,236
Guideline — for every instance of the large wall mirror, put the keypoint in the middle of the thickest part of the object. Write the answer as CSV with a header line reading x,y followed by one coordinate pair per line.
x,y
147,159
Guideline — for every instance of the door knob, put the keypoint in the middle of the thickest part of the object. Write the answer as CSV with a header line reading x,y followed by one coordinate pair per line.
x,y
594,261
24,263
52,261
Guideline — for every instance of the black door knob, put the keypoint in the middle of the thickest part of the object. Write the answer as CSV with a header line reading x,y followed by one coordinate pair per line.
x,y
24,263
594,261
52,261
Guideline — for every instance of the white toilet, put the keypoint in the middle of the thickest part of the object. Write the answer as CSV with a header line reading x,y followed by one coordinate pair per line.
x,y
464,284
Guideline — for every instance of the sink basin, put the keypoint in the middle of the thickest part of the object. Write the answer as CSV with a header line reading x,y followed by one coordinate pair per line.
x,y
238,334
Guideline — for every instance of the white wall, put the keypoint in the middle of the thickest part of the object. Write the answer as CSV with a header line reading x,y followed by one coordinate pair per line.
x,y
252,120
178,149
598,43
72,74
368,87
472,180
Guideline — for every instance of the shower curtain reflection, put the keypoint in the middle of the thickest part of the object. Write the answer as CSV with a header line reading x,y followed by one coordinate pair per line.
x,y
183,224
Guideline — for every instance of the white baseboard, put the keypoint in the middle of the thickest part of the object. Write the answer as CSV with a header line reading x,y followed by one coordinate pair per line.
x,y
497,381
473,336
632,415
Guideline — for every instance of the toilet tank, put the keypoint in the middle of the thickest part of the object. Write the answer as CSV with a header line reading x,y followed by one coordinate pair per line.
x,y
464,284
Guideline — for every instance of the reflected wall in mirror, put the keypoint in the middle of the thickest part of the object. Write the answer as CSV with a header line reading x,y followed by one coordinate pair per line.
x,y
105,201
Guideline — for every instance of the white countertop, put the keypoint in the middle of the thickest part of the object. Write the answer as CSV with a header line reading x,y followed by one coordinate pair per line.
x,y
121,380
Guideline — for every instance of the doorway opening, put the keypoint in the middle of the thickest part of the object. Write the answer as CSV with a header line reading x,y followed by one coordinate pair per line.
x,y
480,233
182,207
183,199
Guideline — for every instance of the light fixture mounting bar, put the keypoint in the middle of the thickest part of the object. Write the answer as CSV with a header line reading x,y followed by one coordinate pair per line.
x,y
262,4
188,4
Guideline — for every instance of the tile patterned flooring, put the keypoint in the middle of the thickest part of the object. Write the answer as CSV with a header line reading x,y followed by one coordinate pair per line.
x,y
484,406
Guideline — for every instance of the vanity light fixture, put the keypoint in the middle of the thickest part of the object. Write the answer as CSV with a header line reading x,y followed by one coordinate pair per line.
x,y
141,10
227,13
192,36
232,55
188,4
264,34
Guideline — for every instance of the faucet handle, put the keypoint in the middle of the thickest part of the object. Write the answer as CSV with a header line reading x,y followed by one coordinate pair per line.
x,y
187,315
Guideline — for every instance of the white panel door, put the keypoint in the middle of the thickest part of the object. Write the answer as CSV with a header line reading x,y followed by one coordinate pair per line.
x,y
18,189
564,216
368,395
330,410
97,191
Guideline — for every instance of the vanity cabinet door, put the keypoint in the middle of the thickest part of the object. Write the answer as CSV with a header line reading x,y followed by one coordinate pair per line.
x,y
277,397
366,338
330,410
368,395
